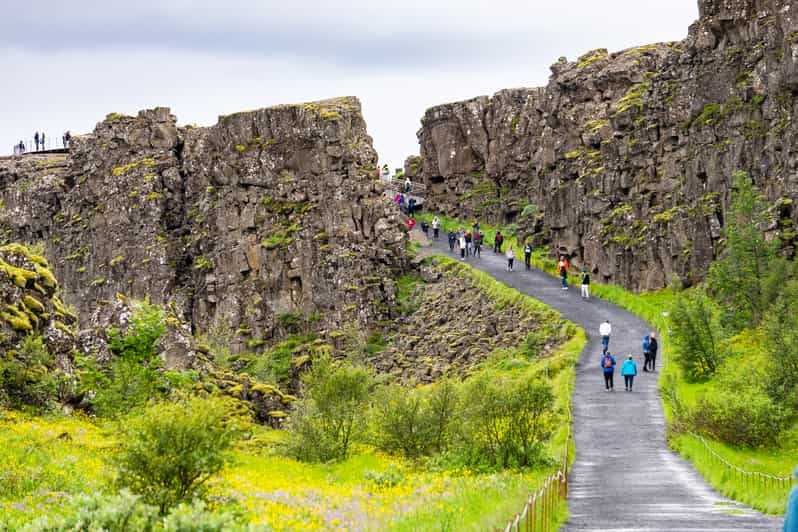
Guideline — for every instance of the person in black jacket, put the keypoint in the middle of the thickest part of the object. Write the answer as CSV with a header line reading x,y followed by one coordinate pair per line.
x,y
652,351
452,241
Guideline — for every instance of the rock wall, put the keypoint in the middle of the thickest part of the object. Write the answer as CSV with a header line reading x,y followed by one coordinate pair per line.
x,y
268,217
628,157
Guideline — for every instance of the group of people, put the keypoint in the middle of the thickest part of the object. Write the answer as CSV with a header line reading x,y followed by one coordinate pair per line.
x,y
629,366
40,142
563,265
406,206
469,242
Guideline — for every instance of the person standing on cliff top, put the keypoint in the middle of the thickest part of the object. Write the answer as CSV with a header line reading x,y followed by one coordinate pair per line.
x,y
43,148
436,227
36,140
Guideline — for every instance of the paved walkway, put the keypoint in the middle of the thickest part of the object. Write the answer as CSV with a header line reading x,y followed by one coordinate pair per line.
x,y
624,477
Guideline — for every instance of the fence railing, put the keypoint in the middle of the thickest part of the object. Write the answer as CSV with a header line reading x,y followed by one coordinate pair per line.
x,y
416,189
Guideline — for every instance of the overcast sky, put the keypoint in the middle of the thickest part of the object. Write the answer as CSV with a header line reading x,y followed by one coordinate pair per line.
x,y
65,65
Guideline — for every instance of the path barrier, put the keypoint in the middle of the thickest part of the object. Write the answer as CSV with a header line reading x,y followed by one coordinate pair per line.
x,y
416,189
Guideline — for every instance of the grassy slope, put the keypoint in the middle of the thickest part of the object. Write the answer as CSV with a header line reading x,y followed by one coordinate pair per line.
x,y
368,491
650,307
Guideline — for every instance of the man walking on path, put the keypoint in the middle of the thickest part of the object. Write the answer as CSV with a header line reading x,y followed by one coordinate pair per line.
x,y
646,352
652,352
478,245
497,242
585,284
452,241
510,258
562,269
436,227
527,256
605,329
629,370
608,368
469,249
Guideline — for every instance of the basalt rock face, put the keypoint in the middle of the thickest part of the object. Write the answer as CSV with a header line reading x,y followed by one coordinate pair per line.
x,y
268,217
629,156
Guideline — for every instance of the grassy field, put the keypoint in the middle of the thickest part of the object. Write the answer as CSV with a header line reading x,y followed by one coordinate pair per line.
x,y
46,461
651,306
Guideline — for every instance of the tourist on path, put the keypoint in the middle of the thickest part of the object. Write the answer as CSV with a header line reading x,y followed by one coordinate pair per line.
x,y
475,227
605,330
562,269
791,517
36,140
411,206
646,352
407,185
436,227
498,240
510,258
652,352
469,243
462,247
608,369
452,241
425,228
629,370
528,256
585,284
411,222
478,245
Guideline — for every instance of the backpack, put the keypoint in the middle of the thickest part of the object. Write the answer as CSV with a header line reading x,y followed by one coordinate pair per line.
x,y
607,361
646,343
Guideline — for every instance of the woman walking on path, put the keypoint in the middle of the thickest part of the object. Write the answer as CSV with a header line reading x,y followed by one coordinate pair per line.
x,y
462,247
436,227
629,370
510,258
562,269
608,368
585,284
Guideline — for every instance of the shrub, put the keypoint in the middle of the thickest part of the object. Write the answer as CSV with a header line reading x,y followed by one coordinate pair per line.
x,y
696,334
403,421
25,376
508,421
122,512
134,376
328,418
173,449
781,343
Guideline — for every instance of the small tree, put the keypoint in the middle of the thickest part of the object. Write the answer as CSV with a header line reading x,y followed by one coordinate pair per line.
x,y
173,449
739,280
25,374
331,414
781,343
696,334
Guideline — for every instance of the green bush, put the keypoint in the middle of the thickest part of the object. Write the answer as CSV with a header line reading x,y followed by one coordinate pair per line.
x,y
781,343
329,417
506,421
26,378
696,336
172,449
134,375
415,422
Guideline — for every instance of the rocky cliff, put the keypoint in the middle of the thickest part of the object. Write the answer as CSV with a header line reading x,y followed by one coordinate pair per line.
x,y
625,160
267,218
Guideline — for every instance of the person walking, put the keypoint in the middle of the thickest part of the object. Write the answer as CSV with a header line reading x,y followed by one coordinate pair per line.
x,y
411,223
469,245
510,258
629,370
411,206
452,241
36,140
407,185
791,516
646,352
652,351
425,227
585,284
562,269
608,368
528,256
478,244
436,227
605,329
462,247
498,240
475,227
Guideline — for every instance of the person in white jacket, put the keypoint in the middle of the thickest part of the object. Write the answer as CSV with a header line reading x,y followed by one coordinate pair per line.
x,y
436,227
510,254
605,329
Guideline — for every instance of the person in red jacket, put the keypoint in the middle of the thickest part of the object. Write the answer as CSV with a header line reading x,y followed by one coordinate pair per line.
x,y
562,269
411,222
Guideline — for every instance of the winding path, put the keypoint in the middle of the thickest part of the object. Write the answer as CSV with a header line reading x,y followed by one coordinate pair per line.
x,y
624,476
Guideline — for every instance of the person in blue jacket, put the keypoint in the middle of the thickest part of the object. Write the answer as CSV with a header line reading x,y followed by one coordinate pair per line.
x,y
629,370
791,518
608,367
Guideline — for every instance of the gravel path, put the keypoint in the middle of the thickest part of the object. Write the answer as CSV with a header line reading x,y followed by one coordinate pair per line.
x,y
624,477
